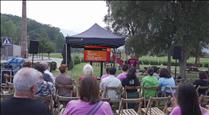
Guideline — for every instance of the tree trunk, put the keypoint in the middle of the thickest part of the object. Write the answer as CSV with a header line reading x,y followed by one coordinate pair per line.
x,y
197,60
42,57
48,55
169,60
182,63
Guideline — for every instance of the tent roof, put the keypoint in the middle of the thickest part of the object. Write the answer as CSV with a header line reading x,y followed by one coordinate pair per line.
x,y
95,35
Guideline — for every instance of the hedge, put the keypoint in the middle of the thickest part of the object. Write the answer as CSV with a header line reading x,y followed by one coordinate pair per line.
x,y
148,62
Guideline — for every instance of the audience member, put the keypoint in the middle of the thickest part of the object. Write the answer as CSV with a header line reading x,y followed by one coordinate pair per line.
x,y
87,72
63,79
186,100
202,81
207,113
111,81
150,81
27,64
166,80
106,74
25,85
123,75
40,67
131,80
156,71
46,86
47,68
89,102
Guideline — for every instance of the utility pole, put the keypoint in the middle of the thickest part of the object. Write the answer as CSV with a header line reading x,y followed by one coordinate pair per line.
x,y
24,47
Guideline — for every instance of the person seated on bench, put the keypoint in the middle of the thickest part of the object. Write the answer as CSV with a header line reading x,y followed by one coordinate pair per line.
x,y
89,102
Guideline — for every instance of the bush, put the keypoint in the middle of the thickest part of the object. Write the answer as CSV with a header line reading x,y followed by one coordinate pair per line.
x,y
76,60
165,63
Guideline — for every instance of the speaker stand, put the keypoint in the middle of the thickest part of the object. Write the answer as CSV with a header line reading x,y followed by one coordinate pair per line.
x,y
32,58
175,68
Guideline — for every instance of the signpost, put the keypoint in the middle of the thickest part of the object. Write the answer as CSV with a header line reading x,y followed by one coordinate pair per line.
x,y
7,41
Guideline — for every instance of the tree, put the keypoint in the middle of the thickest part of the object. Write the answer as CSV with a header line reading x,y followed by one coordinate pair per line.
x,y
161,25
10,26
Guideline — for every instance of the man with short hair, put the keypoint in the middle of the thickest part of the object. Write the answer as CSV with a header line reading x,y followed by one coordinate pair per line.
x,y
111,81
25,85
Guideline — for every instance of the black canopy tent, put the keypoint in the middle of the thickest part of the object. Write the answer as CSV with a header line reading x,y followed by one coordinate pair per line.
x,y
95,35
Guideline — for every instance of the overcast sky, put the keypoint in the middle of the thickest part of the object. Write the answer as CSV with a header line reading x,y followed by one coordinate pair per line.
x,y
75,16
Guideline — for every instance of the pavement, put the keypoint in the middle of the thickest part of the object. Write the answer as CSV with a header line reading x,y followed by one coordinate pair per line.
x,y
45,59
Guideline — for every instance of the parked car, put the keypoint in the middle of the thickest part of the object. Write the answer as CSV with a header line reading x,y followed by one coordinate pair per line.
x,y
14,64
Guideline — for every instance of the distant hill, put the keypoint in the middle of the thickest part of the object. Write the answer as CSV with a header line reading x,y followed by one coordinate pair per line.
x,y
11,26
66,32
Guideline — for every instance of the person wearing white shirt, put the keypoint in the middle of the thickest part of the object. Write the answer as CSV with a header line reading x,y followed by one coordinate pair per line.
x,y
111,81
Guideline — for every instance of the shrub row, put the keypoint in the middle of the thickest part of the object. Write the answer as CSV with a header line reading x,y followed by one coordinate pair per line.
x,y
147,62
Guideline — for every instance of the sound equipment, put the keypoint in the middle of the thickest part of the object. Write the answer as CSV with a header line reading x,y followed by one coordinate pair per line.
x,y
177,52
33,49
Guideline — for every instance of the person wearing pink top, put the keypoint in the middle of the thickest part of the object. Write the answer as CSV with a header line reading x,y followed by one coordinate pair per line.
x,y
106,74
89,102
186,101
207,113
123,75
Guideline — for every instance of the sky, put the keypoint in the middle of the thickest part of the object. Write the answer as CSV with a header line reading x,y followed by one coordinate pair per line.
x,y
75,16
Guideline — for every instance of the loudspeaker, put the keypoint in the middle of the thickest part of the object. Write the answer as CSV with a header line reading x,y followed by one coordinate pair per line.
x,y
33,49
177,52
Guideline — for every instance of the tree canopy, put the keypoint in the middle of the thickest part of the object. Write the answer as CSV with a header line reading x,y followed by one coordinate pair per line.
x,y
50,38
154,27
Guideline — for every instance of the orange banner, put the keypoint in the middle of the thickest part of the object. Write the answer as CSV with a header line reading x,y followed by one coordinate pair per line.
x,y
97,55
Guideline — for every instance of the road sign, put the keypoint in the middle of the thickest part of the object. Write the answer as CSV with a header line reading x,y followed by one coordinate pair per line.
x,y
7,41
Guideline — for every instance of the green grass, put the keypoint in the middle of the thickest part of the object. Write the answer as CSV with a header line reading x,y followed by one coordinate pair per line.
x,y
77,70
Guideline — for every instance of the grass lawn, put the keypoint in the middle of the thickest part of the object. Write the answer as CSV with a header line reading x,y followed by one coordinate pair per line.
x,y
77,71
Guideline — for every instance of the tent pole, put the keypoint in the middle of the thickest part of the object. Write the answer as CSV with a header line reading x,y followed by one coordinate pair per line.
x,y
101,69
66,54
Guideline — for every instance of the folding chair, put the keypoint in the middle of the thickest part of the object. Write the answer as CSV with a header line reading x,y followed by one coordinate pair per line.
x,y
69,88
203,88
114,102
48,100
137,88
204,101
150,88
126,111
156,106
